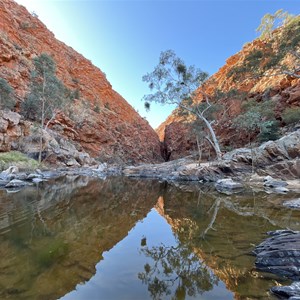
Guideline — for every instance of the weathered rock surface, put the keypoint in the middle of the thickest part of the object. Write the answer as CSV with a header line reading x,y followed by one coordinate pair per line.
x,y
283,90
291,292
294,203
101,122
227,185
237,163
280,255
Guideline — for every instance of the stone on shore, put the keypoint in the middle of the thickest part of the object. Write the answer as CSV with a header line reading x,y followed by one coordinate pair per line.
x,y
16,183
227,185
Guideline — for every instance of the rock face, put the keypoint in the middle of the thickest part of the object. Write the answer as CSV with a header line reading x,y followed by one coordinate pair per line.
x,y
101,121
282,90
280,254
279,159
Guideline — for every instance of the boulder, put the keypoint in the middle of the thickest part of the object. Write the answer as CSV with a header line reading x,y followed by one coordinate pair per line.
x,y
294,203
291,292
280,254
72,162
15,183
272,183
9,173
227,184
12,117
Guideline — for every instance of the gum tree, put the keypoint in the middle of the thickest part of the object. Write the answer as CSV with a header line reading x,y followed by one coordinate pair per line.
x,y
172,82
47,96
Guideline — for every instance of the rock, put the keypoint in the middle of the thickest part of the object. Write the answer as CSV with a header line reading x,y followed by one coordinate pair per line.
x,y
101,168
72,163
110,128
3,182
33,176
15,183
37,180
227,184
12,117
280,254
291,292
9,173
295,203
3,125
271,182
281,190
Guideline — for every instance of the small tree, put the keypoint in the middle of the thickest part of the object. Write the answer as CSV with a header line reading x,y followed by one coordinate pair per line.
x,y
47,96
7,99
269,22
175,83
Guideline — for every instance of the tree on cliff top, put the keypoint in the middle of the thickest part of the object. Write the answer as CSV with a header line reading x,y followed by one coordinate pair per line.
x,y
172,82
269,22
47,96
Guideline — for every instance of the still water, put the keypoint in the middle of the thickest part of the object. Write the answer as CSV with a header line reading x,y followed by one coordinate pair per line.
x,y
82,238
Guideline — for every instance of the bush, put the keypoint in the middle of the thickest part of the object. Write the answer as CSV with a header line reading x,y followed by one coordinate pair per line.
x,y
97,108
15,158
7,99
269,131
291,115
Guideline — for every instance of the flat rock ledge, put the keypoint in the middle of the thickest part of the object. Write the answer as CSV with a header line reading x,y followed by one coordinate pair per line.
x,y
273,163
280,254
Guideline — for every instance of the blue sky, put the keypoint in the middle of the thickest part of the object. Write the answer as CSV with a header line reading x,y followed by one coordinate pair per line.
x,y
124,38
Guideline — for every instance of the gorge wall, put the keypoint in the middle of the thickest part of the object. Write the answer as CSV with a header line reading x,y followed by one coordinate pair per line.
x,y
229,90
101,122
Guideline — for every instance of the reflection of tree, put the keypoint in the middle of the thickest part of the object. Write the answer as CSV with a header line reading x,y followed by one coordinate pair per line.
x,y
175,270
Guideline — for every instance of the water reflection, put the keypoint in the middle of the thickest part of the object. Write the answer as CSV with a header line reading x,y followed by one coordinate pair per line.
x,y
175,268
52,237
95,239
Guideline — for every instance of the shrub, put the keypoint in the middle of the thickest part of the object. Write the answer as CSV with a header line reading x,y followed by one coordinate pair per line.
x,y
97,108
291,115
18,159
7,99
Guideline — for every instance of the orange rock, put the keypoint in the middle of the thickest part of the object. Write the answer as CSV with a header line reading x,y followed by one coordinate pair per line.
x,y
23,37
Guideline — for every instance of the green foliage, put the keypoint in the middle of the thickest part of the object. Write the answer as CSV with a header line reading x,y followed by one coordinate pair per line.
x,y
172,80
47,93
232,94
291,115
269,131
258,62
258,116
7,99
52,253
18,159
174,272
75,94
269,22
97,108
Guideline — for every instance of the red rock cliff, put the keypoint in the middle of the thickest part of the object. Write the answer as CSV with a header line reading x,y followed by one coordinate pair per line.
x,y
282,89
106,126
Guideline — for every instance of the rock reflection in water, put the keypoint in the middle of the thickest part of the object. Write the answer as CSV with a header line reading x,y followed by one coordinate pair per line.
x,y
65,234
51,237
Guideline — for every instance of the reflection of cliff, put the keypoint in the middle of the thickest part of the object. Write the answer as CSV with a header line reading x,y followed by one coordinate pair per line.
x,y
63,231
223,230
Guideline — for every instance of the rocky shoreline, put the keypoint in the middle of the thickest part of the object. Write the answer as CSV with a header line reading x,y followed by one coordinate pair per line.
x,y
274,166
